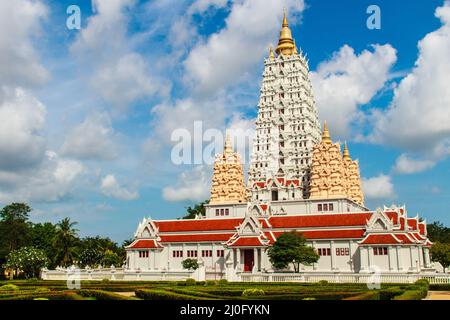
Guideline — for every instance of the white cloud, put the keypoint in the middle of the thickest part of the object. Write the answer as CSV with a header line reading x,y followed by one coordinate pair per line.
x,y
92,139
406,165
51,181
192,185
379,187
349,80
231,52
22,143
19,21
118,73
110,187
201,6
418,118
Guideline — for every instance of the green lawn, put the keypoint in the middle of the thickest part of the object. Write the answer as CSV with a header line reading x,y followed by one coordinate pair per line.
x,y
209,290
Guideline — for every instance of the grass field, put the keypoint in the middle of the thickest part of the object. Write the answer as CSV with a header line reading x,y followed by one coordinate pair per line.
x,y
209,290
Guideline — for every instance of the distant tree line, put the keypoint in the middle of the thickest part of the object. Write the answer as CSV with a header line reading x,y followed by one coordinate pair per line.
x,y
26,247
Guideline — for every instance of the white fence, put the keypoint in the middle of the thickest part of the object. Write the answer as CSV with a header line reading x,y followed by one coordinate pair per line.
x,y
120,274
344,278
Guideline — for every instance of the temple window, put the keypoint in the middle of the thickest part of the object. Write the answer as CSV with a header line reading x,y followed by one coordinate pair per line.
x,y
330,207
217,212
324,251
177,254
206,253
222,212
380,251
227,211
342,251
220,253
325,207
319,207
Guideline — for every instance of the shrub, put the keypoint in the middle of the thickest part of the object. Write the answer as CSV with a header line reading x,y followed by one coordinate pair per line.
x,y
323,282
369,295
390,293
411,295
223,282
253,292
190,282
102,295
211,283
423,283
159,294
9,287
309,299
439,287
40,299
190,264
105,281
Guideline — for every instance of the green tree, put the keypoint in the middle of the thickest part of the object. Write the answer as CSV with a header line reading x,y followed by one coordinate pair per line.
x,y
438,232
289,248
111,258
42,236
440,252
198,209
190,264
14,227
90,257
28,260
65,243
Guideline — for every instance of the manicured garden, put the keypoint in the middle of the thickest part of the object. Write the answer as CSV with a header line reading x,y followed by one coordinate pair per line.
x,y
209,290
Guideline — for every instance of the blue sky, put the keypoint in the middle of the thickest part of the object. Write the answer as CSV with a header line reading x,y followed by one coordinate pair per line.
x,y
90,112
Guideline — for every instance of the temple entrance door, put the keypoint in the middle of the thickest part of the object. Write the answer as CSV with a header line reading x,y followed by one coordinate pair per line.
x,y
249,259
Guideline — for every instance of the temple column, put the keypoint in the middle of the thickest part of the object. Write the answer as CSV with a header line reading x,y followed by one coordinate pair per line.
x,y
370,257
399,258
332,256
255,260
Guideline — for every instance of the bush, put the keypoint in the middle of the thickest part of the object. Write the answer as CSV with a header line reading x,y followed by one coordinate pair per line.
x,y
190,264
309,299
159,294
323,282
190,282
105,281
211,283
439,287
223,282
102,295
40,299
411,295
9,287
369,295
423,283
390,293
253,292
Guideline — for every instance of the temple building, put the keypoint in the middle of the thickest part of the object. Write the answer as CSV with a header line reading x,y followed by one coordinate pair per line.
x,y
298,180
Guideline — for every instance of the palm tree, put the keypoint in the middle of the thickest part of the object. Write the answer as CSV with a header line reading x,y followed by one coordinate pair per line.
x,y
65,242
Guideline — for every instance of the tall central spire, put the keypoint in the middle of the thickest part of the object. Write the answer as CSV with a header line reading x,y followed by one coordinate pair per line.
x,y
286,44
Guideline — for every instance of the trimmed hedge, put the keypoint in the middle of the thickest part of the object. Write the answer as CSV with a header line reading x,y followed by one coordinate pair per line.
x,y
369,295
103,295
411,295
253,292
158,294
439,287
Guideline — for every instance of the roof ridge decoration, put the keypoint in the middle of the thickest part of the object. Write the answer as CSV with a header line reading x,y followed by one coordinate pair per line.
x,y
379,222
147,230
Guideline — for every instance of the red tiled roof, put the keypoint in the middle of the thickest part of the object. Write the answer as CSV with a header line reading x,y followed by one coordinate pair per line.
x,y
422,228
264,207
323,220
402,223
264,223
412,223
330,234
417,236
392,216
145,244
403,238
198,225
380,239
295,182
222,237
247,242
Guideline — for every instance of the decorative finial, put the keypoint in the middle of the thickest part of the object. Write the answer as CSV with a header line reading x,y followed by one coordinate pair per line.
x,y
271,54
326,134
346,152
228,148
285,43
285,22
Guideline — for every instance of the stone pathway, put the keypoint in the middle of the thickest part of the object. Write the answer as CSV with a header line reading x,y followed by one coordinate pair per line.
x,y
438,295
126,294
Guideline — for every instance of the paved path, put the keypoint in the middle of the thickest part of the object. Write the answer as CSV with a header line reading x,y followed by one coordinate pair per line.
x,y
126,294
438,295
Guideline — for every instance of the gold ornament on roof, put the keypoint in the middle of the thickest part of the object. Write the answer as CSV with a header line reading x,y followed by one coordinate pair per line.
x,y
326,134
286,44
